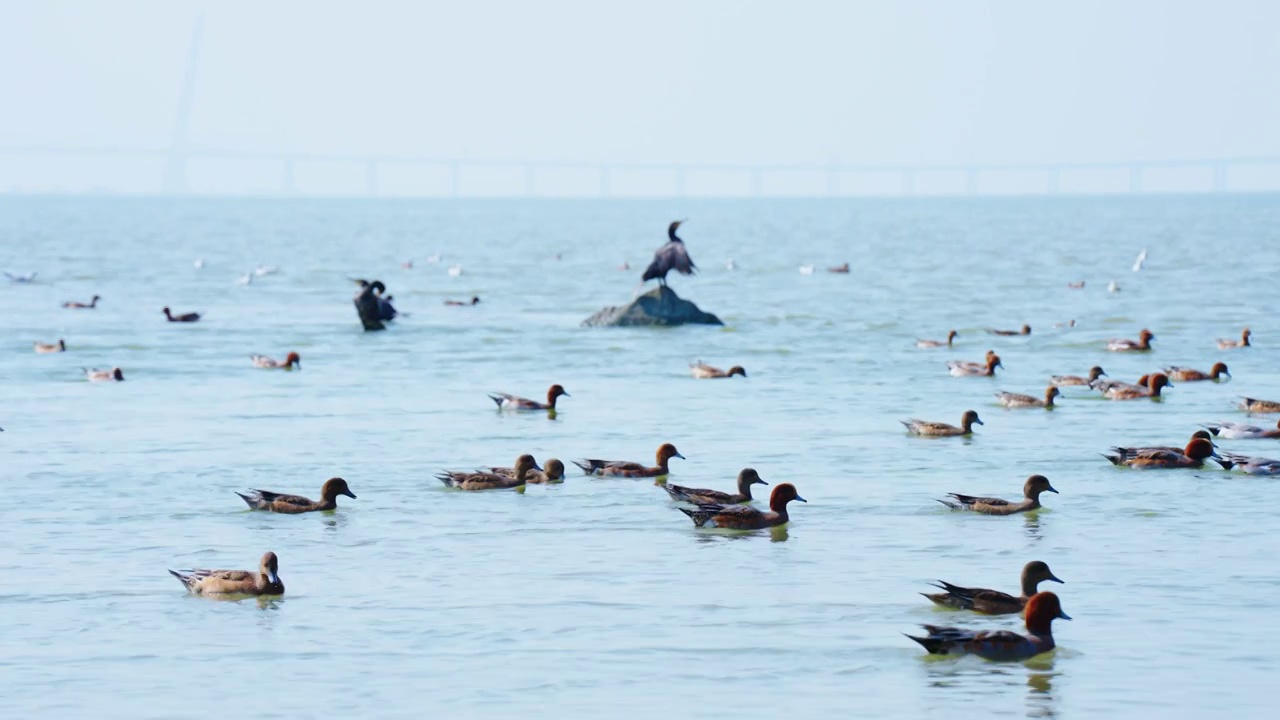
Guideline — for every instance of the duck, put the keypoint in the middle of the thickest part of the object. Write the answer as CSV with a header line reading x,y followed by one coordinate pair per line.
x,y
1199,434
266,363
620,468
1003,645
294,504
552,472
28,278
1095,372
96,375
266,581
1026,330
1136,392
489,480
46,348
961,368
994,602
745,517
186,317
1142,344
1031,491
1240,431
1077,285
1255,405
704,371
1228,344
1193,456
92,304
1142,258
1014,400
839,269
939,429
1104,385
462,303
1249,465
926,344
511,402
699,496
1182,374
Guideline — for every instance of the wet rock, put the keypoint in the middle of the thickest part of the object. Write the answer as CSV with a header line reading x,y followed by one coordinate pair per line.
x,y
660,307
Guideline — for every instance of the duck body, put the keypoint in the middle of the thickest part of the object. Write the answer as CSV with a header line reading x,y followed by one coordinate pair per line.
x,y
46,348
703,371
1025,330
1226,344
1182,374
962,368
268,363
96,375
294,504
1001,645
927,344
475,481
1095,372
1031,491
994,602
1249,465
184,318
700,496
1014,400
1255,405
1240,431
744,517
266,581
622,468
506,401
1156,458
940,429
1142,344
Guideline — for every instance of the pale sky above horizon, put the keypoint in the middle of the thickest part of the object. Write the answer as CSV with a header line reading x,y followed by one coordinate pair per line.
x,y
863,82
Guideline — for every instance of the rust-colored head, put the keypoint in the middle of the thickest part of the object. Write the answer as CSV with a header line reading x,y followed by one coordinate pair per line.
x,y
1042,609
1026,329
1035,485
666,451
969,419
748,477
554,469
293,359
524,464
1051,392
554,392
736,370
269,567
333,487
1202,435
1244,336
990,354
1157,381
1218,370
1199,449
1145,337
1095,372
783,494
993,362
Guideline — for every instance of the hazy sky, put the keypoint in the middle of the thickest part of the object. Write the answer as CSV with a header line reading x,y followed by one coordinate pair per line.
x,y
658,80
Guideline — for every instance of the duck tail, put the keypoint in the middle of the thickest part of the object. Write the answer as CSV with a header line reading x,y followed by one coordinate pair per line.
x,y
1226,462
675,491
698,516
935,646
248,499
1114,459
184,579
587,466
498,399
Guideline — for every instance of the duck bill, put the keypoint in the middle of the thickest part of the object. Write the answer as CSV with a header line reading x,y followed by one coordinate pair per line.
x,y
680,456
273,577
978,422
801,499
350,494
1052,490
1063,616
1055,578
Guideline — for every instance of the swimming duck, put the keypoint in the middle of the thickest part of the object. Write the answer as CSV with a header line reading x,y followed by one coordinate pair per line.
x,y
262,361
553,472
1182,374
1077,285
1026,330
1095,372
620,468
511,402
266,581
1031,490
1142,344
1255,405
461,303
1014,400
82,306
294,504
1240,431
1197,435
1104,385
1136,392
1226,344
1249,465
186,317
28,278
939,429
699,496
745,517
704,371
46,348
490,481
951,336
839,269
961,368
1041,610
1193,456
994,602
96,375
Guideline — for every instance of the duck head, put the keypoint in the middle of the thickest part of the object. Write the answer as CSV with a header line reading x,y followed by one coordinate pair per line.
x,y
783,494
748,477
1042,609
1035,485
333,487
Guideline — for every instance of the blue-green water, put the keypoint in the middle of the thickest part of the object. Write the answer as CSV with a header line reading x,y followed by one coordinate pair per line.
x,y
597,598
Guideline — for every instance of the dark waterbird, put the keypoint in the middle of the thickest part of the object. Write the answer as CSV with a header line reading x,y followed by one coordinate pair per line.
x,y
374,308
672,256
185,317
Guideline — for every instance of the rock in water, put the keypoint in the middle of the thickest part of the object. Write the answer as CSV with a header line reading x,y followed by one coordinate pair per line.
x,y
659,307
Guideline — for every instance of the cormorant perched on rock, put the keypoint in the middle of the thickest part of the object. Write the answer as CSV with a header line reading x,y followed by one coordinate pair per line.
x,y
373,308
671,256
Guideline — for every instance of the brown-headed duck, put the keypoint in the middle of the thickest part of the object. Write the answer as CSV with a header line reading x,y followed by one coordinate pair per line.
x,y
1142,344
552,472
1014,400
1182,374
267,363
705,371
1031,491
839,269
1025,330
185,317
994,602
491,481
1193,456
46,348
1000,645
1095,372
926,344
462,303
1197,435
293,504
963,368
1240,431
71,304
1227,344
1255,405
699,496
622,468
511,402
96,375
745,517
266,581
1136,392
940,429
